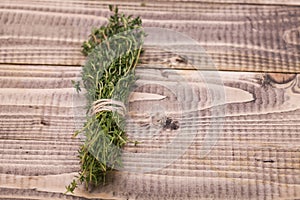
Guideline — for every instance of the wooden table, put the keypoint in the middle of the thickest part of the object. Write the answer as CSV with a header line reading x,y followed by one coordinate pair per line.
x,y
256,48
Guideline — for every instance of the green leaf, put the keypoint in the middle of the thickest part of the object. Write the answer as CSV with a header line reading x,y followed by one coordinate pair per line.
x,y
110,7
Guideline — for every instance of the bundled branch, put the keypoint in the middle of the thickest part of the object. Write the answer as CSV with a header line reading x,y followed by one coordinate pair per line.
x,y
112,54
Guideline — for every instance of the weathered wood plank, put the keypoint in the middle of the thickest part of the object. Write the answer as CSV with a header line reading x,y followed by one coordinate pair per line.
x,y
257,151
263,2
43,187
236,36
256,155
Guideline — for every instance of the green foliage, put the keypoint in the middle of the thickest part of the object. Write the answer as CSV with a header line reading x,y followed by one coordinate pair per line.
x,y
76,86
108,73
117,23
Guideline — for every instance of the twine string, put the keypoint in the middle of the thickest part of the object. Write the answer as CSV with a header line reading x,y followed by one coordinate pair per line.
x,y
108,105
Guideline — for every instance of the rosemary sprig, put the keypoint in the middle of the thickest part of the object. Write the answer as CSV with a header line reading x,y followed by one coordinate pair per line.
x,y
113,51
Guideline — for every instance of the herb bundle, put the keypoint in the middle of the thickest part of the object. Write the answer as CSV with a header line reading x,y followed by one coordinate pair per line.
x,y
112,54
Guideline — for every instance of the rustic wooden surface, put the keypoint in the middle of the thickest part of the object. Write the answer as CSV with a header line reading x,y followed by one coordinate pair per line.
x,y
257,155
237,36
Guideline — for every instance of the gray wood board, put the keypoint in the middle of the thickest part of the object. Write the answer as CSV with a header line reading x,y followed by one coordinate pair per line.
x,y
242,37
256,154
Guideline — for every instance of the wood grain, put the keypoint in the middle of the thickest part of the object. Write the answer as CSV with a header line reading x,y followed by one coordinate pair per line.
x,y
238,132
256,155
243,37
261,2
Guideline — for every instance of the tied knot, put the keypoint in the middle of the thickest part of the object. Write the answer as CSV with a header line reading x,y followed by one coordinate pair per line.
x,y
108,105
